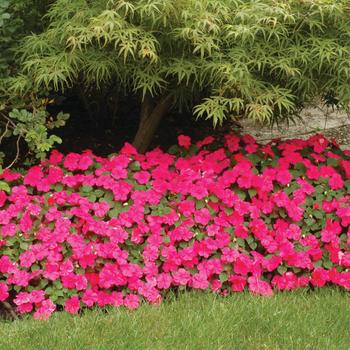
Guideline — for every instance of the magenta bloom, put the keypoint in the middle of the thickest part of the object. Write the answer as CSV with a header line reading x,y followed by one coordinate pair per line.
x,y
72,305
184,141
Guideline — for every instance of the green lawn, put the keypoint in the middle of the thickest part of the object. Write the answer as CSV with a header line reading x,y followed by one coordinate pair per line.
x,y
299,320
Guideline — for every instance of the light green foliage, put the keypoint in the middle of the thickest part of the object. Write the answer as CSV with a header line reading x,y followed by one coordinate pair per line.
x,y
28,120
259,59
33,128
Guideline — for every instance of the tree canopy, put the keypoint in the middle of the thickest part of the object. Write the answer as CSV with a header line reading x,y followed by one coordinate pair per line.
x,y
220,58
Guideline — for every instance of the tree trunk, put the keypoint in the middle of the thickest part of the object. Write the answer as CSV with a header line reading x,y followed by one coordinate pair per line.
x,y
149,121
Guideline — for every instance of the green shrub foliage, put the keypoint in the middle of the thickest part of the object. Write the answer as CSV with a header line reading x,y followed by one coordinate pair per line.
x,y
258,59
262,60
23,117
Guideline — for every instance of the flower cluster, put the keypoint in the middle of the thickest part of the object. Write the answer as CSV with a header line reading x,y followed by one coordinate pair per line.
x,y
80,230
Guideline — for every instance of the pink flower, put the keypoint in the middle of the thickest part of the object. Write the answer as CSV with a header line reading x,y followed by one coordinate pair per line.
x,y
164,281
200,281
186,207
181,277
6,265
206,141
4,294
319,277
142,177
184,141
90,297
27,258
55,157
283,177
128,149
72,305
237,282
242,265
132,301
272,263
37,296
110,275
330,232
202,216
336,182
2,198
257,286
34,176
26,222
24,308
19,278
232,142
45,310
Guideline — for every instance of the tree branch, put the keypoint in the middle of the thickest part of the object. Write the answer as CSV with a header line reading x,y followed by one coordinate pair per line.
x,y
4,133
17,153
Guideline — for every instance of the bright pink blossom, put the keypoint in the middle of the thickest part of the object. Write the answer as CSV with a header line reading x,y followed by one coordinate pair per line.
x,y
72,305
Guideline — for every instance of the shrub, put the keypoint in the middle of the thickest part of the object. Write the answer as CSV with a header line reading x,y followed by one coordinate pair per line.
x,y
22,117
228,59
80,230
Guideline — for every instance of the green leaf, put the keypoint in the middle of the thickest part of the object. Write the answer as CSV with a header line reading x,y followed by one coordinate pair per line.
x,y
86,189
332,162
282,269
24,245
200,204
328,264
5,186
223,277
252,192
114,213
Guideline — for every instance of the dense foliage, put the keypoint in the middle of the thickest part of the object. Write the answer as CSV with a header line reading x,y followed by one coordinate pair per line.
x,y
81,230
226,58
23,117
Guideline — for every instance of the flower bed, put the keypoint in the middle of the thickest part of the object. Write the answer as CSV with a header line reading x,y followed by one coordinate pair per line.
x,y
80,230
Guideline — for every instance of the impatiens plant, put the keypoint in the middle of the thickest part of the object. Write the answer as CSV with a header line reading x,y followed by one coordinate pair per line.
x,y
79,231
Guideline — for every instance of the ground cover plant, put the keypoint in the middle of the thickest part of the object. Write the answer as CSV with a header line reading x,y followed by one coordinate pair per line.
x,y
79,230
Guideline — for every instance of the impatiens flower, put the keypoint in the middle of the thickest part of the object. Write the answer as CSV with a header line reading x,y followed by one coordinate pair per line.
x,y
127,228
237,282
202,216
331,231
164,281
142,177
242,265
90,297
27,258
2,198
206,141
45,310
287,281
72,305
257,286
55,157
186,207
283,176
184,141
132,301
200,281
181,277
4,294
319,277
336,182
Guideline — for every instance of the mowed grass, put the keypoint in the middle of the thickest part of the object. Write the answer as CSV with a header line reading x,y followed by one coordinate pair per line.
x,y
297,320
